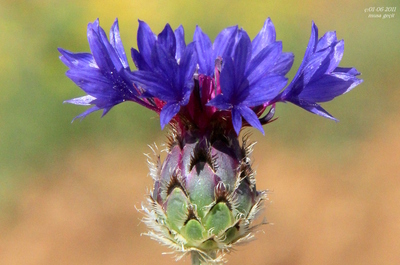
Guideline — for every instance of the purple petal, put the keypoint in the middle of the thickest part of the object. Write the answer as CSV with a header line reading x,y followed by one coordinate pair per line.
x,y
164,63
139,61
331,62
92,81
154,85
310,49
348,77
350,71
227,78
224,42
220,102
336,56
326,41
98,49
328,87
110,51
265,90
314,63
204,52
187,67
314,108
262,64
242,57
145,41
166,39
284,64
87,112
168,112
265,37
77,60
236,120
180,42
105,111
251,118
116,42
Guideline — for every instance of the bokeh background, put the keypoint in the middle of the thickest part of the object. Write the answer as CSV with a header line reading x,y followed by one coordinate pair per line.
x,y
69,192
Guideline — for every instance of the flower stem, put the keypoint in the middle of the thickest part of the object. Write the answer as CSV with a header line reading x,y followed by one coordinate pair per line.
x,y
195,258
198,260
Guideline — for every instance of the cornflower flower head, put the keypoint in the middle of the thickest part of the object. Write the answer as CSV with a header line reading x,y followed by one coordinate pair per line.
x,y
204,200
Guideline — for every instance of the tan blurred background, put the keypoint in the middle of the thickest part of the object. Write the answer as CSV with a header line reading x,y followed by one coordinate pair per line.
x,y
68,191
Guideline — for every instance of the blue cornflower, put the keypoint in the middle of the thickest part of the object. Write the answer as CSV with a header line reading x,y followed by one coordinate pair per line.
x,y
259,68
319,79
205,83
166,68
146,41
105,74
248,82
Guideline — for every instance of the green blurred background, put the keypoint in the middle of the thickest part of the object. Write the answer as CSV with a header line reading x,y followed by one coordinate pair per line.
x,y
68,192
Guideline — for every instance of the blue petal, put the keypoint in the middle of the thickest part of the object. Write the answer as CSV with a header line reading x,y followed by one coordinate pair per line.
x,y
310,49
164,63
92,81
98,49
328,87
350,70
242,57
284,64
145,41
166,39
224,42
236,120
187,68
314,63
227,78
87,112
220,102
326,41
168,112
77,60
204,52
116,42
314,108
265,37
154,85
348,77
336,56
105,44
329,63
251,118
265,90
180,42
312,43
263,63
139,61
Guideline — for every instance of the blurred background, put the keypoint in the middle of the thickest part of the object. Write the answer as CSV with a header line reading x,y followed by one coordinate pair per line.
x,y
68,192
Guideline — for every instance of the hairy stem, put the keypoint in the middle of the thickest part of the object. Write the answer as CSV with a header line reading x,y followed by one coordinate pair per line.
x,y
198,260
195,258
